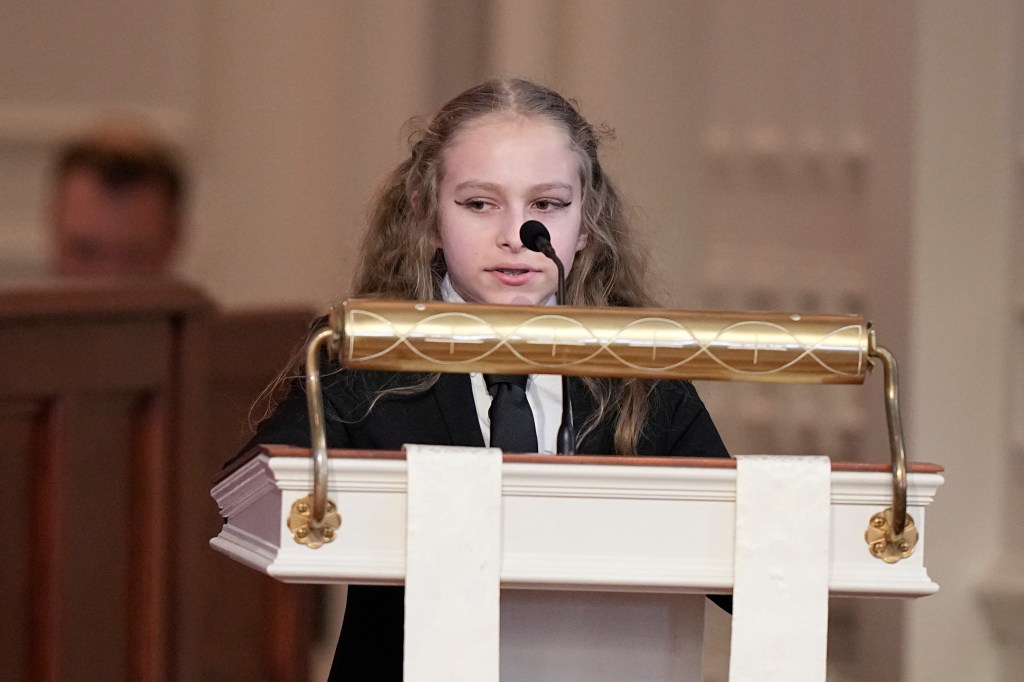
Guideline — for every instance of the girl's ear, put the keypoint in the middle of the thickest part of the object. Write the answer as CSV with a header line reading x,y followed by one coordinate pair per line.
x,y
581,241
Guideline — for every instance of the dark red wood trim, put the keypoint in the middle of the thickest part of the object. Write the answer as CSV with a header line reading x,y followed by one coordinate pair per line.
x,y
610,460
49,431
149,532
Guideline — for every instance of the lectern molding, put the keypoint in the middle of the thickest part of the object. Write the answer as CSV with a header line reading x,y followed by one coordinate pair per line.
x,y
589,526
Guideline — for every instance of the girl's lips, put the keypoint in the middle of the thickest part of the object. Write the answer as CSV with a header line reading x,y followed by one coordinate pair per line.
x,y
512,275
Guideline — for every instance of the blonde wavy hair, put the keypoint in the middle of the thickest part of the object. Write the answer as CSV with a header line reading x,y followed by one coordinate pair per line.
x,y
400,259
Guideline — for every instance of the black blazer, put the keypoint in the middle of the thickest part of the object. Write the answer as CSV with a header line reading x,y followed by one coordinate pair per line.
x,y
371,642
678,425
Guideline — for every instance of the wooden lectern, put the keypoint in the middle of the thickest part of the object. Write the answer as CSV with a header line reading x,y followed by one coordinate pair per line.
x,y
603,561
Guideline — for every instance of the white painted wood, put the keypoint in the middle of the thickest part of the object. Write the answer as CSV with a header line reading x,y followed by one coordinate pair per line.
x,y
555,635
565,526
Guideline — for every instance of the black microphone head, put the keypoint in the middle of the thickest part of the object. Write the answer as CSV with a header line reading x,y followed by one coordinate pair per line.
x,y
534,235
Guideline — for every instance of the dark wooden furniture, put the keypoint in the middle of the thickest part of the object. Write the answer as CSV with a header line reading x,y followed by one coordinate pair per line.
x,y
257,628
118,404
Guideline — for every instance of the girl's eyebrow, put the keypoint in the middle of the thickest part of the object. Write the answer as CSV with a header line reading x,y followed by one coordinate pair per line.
x,y
494,187
478,184
548,186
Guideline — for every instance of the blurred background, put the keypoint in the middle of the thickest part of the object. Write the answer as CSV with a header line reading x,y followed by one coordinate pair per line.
x,y
856,156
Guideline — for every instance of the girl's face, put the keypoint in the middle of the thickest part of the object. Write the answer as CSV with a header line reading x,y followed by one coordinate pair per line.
x,y
499,172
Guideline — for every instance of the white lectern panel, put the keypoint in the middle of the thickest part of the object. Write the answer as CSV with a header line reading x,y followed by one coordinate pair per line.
x,y
665,526
554,636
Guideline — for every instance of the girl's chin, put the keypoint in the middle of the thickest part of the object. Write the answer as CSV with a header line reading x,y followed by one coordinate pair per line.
x,y
524,299
509,297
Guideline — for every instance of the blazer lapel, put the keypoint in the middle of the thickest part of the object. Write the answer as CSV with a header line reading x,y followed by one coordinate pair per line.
x,y
454,396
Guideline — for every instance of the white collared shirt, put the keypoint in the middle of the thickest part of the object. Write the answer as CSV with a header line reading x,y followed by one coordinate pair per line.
x,y
544,391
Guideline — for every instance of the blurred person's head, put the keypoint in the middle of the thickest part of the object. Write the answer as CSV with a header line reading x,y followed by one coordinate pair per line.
x,y
117,204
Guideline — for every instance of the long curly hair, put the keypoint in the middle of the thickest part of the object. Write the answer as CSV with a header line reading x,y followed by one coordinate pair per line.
x,y
400,258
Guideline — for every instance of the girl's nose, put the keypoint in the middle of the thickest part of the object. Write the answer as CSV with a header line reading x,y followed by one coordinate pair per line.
x,y
509,232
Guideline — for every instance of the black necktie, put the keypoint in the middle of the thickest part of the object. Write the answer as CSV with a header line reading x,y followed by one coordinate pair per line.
x,y
512,425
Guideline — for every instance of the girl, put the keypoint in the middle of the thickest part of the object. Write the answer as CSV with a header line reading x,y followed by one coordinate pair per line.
x,y
446,227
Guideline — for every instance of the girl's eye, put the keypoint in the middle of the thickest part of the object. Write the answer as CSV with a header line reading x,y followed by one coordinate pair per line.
x,y
549,204
475,204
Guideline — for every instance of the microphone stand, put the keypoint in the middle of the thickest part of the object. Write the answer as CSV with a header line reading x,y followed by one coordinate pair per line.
x,y
536,237
566,441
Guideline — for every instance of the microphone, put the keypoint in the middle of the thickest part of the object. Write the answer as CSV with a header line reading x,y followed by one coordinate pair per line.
x,y
536,237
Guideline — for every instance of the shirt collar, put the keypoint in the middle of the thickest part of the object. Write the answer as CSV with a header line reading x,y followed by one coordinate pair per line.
x,y
448,293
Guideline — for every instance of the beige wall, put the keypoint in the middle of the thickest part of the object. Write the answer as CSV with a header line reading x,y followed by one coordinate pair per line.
x,y
966,322
843,156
